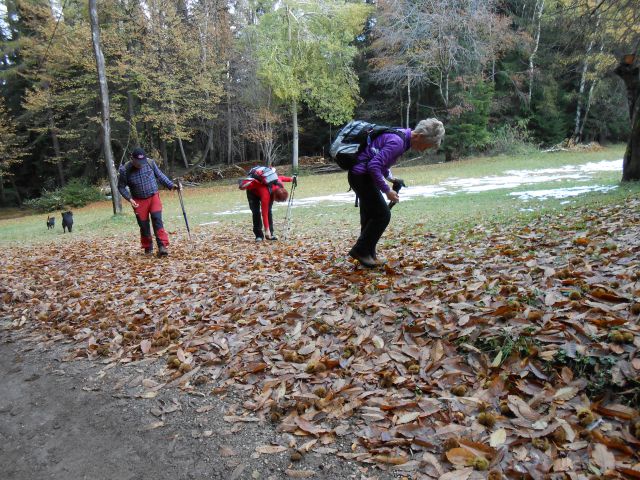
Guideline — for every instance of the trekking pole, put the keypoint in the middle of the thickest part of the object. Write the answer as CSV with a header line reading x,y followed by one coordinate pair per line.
x,y
397,185
184,213
287,226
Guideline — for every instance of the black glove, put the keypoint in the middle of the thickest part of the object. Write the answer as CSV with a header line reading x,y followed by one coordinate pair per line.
x,y
397,183
294,182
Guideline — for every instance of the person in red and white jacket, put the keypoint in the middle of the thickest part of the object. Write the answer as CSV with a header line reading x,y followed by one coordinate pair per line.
x,y
261,198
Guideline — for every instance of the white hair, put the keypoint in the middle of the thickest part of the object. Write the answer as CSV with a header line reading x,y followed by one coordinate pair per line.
x,y
431,130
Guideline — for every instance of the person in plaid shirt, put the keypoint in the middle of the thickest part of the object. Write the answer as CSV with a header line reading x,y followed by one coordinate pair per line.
x,y
138,184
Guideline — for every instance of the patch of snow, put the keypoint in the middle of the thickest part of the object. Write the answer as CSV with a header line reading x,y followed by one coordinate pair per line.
x,y
509,180
561,192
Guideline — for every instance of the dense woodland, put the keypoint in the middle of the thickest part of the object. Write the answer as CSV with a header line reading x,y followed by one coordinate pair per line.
x,y
227,81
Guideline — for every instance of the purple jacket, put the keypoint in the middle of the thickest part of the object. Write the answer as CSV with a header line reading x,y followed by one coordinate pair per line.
x,y
382,153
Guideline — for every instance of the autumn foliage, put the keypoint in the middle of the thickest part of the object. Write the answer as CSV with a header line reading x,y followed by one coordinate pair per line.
x,y
511,350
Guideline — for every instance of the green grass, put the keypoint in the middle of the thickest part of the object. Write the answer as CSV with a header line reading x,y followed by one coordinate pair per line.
x,y
450,213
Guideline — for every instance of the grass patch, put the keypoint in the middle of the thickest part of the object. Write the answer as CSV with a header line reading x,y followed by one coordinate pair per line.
x,y
450,213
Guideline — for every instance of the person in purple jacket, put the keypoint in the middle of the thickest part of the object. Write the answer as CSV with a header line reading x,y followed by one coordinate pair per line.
x,y
138,184
368,180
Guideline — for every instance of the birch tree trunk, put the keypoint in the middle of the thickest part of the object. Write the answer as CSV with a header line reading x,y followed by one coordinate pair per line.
x,y
294,121
104,97
408,97
229,139
583,81
586,109
294,106
538,17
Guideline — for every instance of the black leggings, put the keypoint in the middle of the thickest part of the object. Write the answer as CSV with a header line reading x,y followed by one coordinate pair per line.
x,y
375,214
256,215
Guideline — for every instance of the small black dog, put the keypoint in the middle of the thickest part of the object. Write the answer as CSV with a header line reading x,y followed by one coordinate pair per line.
x,y
51,222
67,221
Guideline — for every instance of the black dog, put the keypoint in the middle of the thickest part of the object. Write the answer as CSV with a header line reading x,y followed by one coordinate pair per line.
x,y
51,222
67,221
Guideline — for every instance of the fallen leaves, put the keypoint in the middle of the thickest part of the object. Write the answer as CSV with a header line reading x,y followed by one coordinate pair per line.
x,y
514,349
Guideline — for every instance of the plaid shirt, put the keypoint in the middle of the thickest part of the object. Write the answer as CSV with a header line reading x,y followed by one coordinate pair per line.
x,y
141,181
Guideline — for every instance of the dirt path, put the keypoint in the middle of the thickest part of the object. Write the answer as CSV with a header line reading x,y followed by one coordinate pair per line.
x,y
69,420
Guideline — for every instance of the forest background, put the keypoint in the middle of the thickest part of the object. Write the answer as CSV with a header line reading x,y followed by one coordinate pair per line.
x,y
205,82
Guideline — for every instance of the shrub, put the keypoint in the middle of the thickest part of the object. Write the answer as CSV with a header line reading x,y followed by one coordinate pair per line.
x,y
511,139
76,193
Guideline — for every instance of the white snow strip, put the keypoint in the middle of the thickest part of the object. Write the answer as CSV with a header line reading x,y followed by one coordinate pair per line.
x,y
561,192
509,180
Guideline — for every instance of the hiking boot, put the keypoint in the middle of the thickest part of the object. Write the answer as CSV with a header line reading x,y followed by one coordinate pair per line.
x,y
162,251
148,251
259,239
365,260
380,260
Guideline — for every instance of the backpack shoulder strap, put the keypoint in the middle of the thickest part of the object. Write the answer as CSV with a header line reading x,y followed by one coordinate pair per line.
x,y
379,130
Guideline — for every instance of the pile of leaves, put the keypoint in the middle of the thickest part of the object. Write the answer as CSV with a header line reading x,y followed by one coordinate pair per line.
x,y
204,174
312,161
511,349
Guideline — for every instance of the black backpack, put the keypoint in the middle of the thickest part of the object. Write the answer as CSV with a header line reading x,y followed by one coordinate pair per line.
x,y
353,138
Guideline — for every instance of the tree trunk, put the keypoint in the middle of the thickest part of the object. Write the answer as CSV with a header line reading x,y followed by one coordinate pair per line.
x,y
175,126
294,121
408,98
3,197
183,154
583,80
294,107
209,149
104,97
56,149
229,138
165,156
537,13
15,189
133,131
629,71
586,110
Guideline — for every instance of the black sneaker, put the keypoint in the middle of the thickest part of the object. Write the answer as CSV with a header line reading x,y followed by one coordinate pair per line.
x,y
273,237
148,251
162,251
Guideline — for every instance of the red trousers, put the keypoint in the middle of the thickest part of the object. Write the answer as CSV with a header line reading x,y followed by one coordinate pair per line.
x,y
150,207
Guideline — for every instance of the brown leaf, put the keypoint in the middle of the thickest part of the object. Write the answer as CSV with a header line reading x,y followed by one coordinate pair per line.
x,y
603,457
145,346
563,465
460,456
299,473
270,449
462,474
522,409
391,459
309,427
615,410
